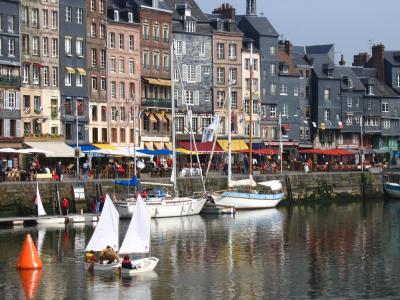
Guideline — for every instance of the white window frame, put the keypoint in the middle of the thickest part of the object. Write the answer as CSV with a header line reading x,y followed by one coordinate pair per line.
x,y
349,102
283,90
386,124
272,112
385,106
45,78
327,94
79,15
68,14
232,51
349,120
54,47
79,47
189,97
79,80
45,46
54,19
398,80
202,49
54,76
68,45
67,79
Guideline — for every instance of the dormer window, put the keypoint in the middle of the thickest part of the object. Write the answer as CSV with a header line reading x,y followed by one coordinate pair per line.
x,y
190,26
116,15
285,69
220,26
398,80
130,17
370,90
155,3
350,83
330,72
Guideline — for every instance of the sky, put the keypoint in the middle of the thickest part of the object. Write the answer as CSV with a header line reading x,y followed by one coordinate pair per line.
x,y
352,25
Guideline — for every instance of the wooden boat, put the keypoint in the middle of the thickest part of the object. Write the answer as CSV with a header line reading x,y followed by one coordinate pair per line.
x,y
392,189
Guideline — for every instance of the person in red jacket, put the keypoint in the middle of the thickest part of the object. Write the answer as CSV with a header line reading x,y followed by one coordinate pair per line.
x,y
65,205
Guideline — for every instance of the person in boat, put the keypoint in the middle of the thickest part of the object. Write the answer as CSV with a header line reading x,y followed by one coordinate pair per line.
x,y
90,257
127,263
108,254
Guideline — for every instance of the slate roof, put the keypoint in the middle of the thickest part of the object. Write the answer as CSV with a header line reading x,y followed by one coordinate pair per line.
x,y
161,3
393,57
343,71
319,49
380,88
259,24
287,60
299,56
196,12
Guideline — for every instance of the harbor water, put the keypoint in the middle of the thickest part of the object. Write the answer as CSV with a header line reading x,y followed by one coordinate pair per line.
x,y
349,251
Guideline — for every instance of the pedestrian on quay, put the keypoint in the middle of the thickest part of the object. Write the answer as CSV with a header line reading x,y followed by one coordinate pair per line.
x,y
65,206
59,171
86,169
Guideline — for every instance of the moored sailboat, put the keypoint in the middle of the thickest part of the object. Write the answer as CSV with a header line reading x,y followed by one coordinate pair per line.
x,y
43,218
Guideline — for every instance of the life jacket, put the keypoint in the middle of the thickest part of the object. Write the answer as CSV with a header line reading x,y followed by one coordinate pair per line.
x,y
65,203
89,257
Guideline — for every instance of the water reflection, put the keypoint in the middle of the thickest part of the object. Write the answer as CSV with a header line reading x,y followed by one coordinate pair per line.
x,y
347,251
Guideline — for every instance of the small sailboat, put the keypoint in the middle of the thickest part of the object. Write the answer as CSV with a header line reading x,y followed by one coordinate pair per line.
x,y
392,189
42,216
137,239
105,234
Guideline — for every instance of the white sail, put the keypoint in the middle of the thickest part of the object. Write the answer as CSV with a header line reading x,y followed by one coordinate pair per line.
x,y
137,238
275,185
106,231
41,211
243,182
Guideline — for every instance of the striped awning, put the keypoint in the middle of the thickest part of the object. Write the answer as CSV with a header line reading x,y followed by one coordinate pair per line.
x,y
152,118
168,146
148,145
158,145
151,80
105,146
237,145
81,71
164,82
70,70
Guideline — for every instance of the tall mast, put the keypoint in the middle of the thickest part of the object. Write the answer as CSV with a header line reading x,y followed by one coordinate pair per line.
x,y
229,161
173,176
251,112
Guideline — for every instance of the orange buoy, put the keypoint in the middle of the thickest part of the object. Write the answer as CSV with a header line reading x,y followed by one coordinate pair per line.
x,y
29,256
30,280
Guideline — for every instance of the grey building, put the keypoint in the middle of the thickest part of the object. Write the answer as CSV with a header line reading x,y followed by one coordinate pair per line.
x,y
392,69
73,64
193,66
10,80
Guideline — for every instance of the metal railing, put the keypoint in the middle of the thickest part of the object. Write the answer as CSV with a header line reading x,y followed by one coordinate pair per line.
x,y
10,80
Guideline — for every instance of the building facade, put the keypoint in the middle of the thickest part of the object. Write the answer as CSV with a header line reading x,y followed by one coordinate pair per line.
x,y
10,80
96,28
40,89
123,76
73,72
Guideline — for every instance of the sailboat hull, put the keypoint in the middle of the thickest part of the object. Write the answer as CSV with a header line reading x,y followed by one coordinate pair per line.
x,y
97,266
143,265
392,189
50,220
177,207
248,200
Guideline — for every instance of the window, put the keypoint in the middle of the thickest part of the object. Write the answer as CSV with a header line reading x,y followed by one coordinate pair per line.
x,y
36,103
220,51
45,76
273,89
283,90
146,58
101,6
113,113
385,106
27,101
102,32
25,73
156,32
68,14
122,90
398,80
130,17
116,15
370,90
54,76
102,58
121,65
121,41
68,106
145,30
68,45
156,59
272,51
205,122
112,40
349,102
206,70
92,5
327,114
165,33
45,45
202,49
122,113
285,69
327,94
220,98
232,51
190,26
221,75
54,19
67,79
94,113
131,43
180,47
25,44
285,110
35,19
166,60
195,125
68,131
79,15
350,83
35,45
93,29
113,90
189,97
54,47
255,64
24,16
386,124
94,57
247,64
179,124
349,120
36,74
234,99
191,73
104,114
295,91
79,47
122,135
272,69
233,76
94,82
131,66
272,112
79,80
103,83
45,18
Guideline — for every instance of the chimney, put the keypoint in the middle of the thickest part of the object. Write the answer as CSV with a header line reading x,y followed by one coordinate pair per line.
x,y
288,47
342,62
226,11
251,9
378,57
360,59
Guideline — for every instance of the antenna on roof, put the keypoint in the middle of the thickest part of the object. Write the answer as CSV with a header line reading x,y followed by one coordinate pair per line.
x,y
370,45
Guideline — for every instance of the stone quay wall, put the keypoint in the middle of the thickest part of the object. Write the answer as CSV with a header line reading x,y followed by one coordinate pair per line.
x,y
17,198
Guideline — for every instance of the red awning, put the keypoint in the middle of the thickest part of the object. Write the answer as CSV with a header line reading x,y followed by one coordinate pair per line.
x,y
284,143
333,152
202,147
286,127
261,151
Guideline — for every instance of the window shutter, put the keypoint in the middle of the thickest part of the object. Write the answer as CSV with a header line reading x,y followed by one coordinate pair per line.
x,y
184,73
18,128
17,100
183,47
6,127
6,100
196,97
198,73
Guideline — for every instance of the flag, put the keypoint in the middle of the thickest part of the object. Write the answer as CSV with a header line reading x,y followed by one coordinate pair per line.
x,y
208,134
305,122
314,124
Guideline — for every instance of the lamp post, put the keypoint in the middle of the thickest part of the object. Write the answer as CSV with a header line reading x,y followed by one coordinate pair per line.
x,y
362,144
77,138
280,141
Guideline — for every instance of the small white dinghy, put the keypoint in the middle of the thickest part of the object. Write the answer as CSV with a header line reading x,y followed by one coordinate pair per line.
x,y
42,216
105,234
137,240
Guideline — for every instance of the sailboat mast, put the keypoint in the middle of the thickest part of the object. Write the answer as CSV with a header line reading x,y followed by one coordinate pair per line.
x,y
229,161
251,112
173,119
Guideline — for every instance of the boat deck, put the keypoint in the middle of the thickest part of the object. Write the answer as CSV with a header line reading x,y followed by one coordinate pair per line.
x,y
32,221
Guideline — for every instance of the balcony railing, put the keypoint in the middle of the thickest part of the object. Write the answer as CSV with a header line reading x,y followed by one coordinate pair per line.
x,y
163,103
10,80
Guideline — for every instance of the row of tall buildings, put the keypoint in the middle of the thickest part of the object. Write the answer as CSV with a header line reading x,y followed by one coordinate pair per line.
x,y
87,69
